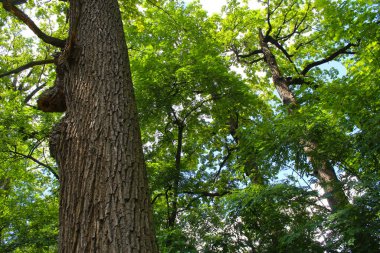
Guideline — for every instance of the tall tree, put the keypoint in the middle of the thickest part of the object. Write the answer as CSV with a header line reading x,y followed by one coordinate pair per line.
x,y
225,153
278,23
186,93
289,42
104,201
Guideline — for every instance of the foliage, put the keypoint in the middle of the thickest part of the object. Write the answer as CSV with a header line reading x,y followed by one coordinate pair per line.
x,y
225,158
277,218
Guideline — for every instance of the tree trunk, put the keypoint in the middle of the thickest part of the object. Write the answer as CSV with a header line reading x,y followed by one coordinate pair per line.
x,y
104,205
176,177
251,169
323,170
279,81
325,173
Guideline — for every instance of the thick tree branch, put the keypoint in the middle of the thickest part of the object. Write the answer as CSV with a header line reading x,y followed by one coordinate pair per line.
x,y
15,2
8,6
268,20
329,58
27,66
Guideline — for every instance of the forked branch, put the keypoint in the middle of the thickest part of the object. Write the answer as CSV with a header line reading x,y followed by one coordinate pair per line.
x,y
280,47
8,6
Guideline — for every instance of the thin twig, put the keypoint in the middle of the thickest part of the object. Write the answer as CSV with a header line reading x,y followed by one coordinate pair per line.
x,y
49,168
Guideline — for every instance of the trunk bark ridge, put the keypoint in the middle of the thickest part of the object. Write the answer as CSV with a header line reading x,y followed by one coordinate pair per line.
x,y
104,206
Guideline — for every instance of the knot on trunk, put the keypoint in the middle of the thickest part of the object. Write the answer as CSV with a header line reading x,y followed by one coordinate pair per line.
x,y
53,99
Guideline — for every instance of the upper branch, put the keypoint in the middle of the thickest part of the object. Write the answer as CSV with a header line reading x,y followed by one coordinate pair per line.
x,y
268,19
167,13
8,6
296,28
207,194
279,46
252,53
196,107
329,58
26,66
269,13
285,19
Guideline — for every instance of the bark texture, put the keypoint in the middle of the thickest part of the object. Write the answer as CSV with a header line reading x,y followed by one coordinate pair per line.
x,y
104,206
323,170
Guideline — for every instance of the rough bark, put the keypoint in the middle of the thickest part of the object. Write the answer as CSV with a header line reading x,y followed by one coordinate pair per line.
x,y
279,81
328,180
323,170
53,99
104,205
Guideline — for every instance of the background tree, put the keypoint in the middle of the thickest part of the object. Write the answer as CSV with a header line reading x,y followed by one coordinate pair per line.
x,y
186,93
289,41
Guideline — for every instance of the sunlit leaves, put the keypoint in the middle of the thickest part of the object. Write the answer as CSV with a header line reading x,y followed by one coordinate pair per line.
x,y
239,141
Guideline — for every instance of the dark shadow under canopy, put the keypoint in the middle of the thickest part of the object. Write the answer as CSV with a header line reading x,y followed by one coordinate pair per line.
x,y
16,2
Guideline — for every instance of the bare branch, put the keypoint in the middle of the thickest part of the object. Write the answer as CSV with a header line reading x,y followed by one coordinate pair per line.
x,y
252,53
306,43
37,89
8,6
268,19
256,60
49,168
283,50
156,197
26,66
297,26
279,46
329,58
285,20
224,162
207,194
269,13
199,105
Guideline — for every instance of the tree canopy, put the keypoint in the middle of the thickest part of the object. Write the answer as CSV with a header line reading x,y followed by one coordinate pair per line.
x,y
260,124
